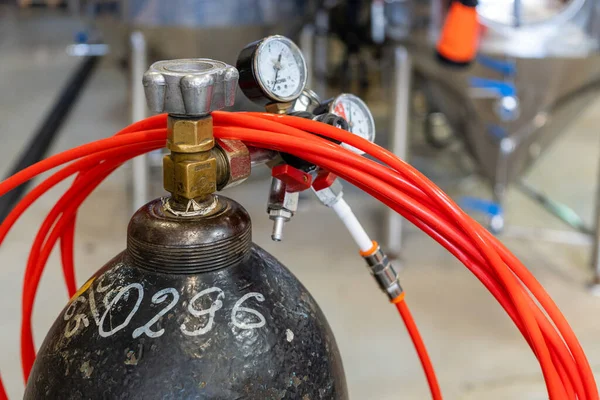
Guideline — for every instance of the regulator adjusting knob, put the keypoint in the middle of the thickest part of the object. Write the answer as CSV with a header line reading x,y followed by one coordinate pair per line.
x,y
190,87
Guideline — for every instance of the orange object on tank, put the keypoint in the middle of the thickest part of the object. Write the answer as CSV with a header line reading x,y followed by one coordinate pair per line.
x,y
460,35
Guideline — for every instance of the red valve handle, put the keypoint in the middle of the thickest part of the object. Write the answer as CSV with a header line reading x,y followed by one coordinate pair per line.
x,y
323,180
295,180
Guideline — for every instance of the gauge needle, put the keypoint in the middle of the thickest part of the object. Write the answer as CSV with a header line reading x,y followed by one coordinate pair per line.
x,y
277,67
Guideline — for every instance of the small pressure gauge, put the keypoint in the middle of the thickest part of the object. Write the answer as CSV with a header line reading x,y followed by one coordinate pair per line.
x,y
357,114
272,70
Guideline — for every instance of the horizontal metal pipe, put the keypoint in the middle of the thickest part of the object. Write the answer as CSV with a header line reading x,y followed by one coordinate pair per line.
x,y
259,156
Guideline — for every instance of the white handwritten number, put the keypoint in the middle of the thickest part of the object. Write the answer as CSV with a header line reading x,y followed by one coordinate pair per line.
x,y
78,319
238,308
107,289
115,300
100,287
158,298
216,306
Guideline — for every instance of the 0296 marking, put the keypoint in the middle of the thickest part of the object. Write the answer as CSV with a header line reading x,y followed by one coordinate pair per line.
x,y
76,322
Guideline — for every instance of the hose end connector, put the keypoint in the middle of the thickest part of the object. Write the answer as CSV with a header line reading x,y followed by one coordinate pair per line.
x,y
384,273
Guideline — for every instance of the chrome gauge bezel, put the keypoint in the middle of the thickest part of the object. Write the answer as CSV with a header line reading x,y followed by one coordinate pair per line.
x,y
345,97
298,56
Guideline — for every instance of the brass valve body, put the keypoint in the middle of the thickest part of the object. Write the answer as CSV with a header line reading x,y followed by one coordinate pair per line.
x,y
278,108
196,166
190,171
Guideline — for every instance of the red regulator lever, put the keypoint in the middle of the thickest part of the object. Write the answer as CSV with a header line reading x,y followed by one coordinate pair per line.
x,y
323,180
295,180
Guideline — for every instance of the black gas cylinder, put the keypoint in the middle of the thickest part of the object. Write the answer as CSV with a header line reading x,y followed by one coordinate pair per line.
x,y
191,310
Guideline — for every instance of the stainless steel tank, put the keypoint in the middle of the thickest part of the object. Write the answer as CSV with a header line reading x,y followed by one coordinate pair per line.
x,y
209,28
538,67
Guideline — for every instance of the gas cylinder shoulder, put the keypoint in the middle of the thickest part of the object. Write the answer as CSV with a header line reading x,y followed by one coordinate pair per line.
x,y
192,309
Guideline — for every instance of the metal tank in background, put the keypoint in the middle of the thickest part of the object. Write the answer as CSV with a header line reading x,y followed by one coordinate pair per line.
x,y
217,29
537,69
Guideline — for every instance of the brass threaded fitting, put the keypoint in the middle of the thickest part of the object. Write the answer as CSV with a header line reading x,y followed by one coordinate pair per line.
x,y
190,171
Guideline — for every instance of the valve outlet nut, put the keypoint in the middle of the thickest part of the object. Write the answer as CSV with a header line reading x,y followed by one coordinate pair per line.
x,y
190,135
234,163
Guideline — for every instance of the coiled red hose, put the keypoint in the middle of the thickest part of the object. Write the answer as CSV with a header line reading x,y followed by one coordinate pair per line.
x,y
564,366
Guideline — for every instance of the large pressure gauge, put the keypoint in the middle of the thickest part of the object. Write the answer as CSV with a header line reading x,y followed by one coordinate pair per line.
x,y
272,70
357,114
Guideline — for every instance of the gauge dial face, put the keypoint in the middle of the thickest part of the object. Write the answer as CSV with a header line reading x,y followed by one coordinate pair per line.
x,y
280,69
359,117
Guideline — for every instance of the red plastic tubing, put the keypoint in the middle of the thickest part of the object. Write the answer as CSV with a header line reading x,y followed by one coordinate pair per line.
x,y
563,363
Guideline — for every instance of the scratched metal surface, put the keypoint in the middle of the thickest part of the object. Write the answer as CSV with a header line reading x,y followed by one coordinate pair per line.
x,y
249,331
209,316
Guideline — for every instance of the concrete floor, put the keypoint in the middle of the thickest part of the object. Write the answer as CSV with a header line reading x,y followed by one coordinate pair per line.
x,y
477,352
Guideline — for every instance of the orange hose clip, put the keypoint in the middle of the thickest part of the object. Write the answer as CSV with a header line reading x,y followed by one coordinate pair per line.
x,y
371,251
399,298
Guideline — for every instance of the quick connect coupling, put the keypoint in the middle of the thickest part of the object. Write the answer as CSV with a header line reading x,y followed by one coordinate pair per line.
x,y
384,272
